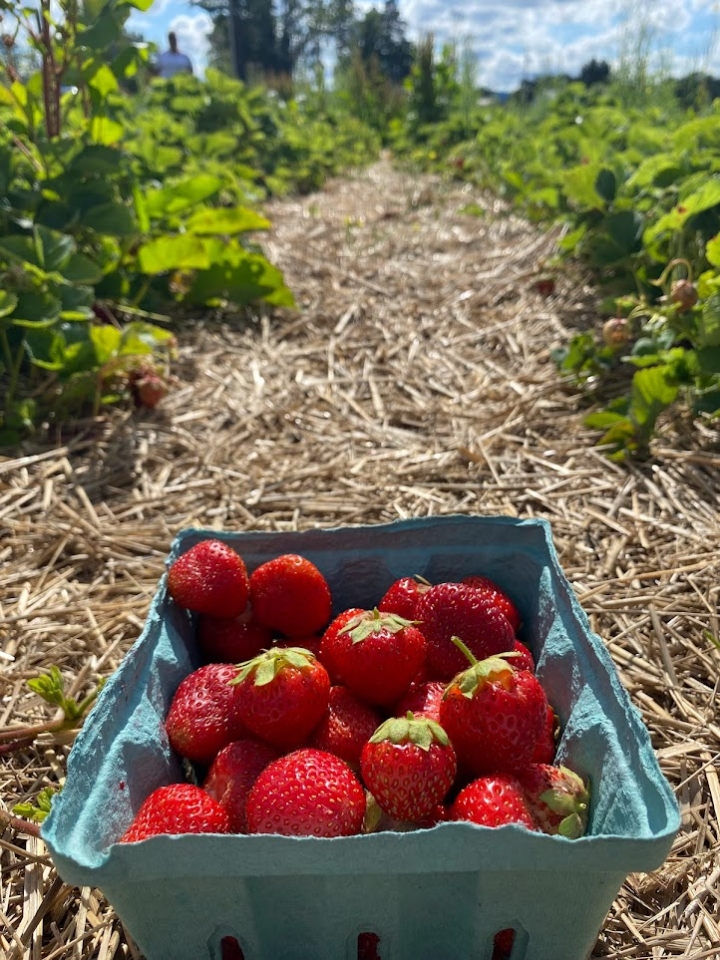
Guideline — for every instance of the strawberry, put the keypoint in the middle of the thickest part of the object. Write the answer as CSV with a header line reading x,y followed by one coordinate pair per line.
x,y
210,578
422,699
494,716
177,808
232,774
500,599
202,718
290,595
457,610
502,944
493,801
347,726
402,597
367,946
684,293
375,655
232,639
307,793
546,746
558,799
524,659
282,694
408,765
545,286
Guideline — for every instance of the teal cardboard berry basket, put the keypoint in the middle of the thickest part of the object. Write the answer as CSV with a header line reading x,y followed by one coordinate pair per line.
x,y
438,894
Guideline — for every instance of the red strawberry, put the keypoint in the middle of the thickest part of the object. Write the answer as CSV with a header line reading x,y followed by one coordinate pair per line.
x,y
367,946
282,695
503,944
493,801
232,774
290,595
232,639
524,659
149,390
450,610
558,799
308,793
547,743
202,718
376,655
422,700
347,726
500,599
177,808
408,765
494,716
210,578
402,597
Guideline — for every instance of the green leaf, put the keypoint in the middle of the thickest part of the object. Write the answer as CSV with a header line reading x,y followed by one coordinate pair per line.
x,y
39,810
709,322
653,389
36,309
712,250
709,360
105,131
606,184
101,34
181,195
181,252
106,339
252,278
602,419
95,160
226,220
103,81
55,248
112,219
80,269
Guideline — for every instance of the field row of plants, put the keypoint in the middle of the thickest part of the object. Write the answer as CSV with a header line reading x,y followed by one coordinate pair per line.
x,y
638,190
120,209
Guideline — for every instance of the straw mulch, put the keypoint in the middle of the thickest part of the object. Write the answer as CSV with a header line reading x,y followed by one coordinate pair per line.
x,y
413,380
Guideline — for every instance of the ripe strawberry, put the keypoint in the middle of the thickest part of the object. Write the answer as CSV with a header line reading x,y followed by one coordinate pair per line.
x,y
408,765
232,774
375,655
307,793
546,746
210,578
290,595
367,946
494,716
203,718
524,659
457,610
232,639
282,694
545,286
402,597
347,726
422,700
558,799
493,801
177,808
503,944
501,599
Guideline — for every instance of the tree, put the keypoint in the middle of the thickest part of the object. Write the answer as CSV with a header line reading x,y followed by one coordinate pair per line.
x,y
380,37
596,71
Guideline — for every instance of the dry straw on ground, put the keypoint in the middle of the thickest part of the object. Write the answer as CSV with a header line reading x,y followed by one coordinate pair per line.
x,y
414,380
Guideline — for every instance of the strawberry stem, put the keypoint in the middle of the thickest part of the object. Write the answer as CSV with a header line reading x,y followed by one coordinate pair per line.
x,y
461,646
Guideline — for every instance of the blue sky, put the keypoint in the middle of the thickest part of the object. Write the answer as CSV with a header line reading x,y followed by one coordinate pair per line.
x,y
516,38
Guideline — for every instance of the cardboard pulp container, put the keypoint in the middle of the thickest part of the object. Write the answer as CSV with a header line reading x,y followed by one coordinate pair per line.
x,y
438,894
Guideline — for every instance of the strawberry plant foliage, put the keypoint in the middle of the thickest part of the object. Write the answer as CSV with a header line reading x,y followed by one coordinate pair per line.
x,y
117,206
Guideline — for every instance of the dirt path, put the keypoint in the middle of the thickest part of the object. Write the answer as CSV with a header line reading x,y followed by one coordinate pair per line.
x,y
414,380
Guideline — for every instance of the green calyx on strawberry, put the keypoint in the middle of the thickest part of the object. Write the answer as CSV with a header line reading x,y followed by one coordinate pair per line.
x,y
494,669
363,625
282,695
267,665
558,799
421,731
408,765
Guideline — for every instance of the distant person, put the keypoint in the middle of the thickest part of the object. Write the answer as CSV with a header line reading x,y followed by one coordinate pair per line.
x,y
171,61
